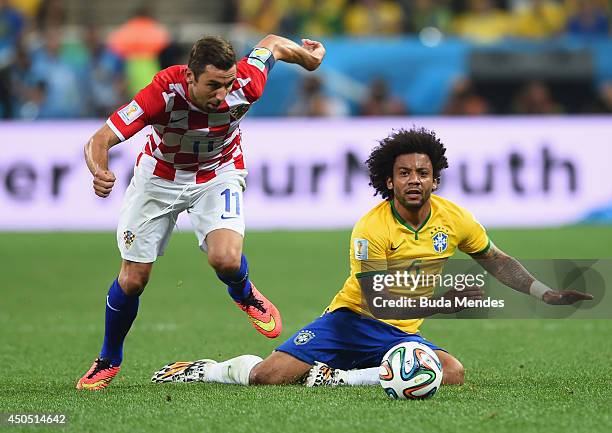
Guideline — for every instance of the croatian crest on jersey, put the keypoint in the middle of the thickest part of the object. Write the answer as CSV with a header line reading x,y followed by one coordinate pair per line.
x,y
130,112
303,337
239,110
440,242
361,249
128,238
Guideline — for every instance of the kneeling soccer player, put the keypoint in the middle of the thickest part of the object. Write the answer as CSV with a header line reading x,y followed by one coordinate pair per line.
x,y
344,346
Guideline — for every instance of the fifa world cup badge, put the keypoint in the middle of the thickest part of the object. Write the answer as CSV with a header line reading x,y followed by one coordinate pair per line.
x,y
361,249
130,112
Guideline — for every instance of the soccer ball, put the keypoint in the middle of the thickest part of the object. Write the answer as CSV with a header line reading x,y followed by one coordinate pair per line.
x,y
410,370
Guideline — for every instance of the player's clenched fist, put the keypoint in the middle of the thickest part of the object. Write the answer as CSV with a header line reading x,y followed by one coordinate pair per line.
x,y
317,52
103,182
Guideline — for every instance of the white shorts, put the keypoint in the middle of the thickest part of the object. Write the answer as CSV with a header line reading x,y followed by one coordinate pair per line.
x,y
151,206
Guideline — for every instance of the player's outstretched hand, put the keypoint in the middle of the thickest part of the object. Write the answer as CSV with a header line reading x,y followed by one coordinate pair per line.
x,y
471,293
103,182
565,297
317,52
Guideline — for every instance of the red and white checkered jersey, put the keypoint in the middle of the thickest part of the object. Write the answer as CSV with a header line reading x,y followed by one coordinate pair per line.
x,y
186,144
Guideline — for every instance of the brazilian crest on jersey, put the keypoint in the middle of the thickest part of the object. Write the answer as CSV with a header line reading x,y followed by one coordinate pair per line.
x,y
303,337
440,242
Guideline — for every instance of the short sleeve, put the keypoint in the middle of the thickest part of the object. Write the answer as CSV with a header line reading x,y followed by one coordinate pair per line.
x,y
255,67
367,250
474,238
146,106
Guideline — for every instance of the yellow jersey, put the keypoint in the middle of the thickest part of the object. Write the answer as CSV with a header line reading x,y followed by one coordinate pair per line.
x,y
382,237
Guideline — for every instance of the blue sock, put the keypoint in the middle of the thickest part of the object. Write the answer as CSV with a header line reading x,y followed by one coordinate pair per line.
x,y
121,311
238,285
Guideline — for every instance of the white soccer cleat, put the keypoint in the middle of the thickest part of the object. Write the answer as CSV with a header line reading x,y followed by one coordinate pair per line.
x,y
183,371
323,375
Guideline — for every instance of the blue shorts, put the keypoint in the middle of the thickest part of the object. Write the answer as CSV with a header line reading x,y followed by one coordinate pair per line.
x,y
346,340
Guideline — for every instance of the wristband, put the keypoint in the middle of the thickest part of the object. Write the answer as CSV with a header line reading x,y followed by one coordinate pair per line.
x,y
537,289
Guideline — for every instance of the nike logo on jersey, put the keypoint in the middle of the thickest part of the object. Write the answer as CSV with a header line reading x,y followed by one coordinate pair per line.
x,y
398,245
225,217
268,327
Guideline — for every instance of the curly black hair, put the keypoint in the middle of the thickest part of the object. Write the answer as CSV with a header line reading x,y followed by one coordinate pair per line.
x,y
401,142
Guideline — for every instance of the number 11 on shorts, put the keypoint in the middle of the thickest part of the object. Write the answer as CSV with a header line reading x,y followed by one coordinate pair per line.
x,y
229,212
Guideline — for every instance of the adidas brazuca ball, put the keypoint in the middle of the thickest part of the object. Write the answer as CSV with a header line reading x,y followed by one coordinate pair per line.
x,y
410,370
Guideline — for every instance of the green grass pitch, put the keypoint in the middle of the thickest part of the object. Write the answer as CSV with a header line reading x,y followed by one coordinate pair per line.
x,y
521,375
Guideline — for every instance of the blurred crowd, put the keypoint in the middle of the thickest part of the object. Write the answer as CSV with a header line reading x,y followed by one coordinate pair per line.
x,y
481,20
532,97
47,72
465,98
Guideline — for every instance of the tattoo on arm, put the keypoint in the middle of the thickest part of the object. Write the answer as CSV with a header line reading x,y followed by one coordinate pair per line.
x,y
506,269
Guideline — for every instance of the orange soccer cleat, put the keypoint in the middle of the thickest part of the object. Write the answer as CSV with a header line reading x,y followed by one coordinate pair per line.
x,y
262,313
98,376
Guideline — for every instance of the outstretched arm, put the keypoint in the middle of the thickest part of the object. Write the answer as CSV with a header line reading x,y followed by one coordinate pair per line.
x,y
511,273
309,55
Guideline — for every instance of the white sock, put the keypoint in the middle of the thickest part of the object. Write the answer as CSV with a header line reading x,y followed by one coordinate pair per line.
x,y
235,370
365,376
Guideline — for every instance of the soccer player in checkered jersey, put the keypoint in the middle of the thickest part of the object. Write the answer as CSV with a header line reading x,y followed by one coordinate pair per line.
x,y
191,161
